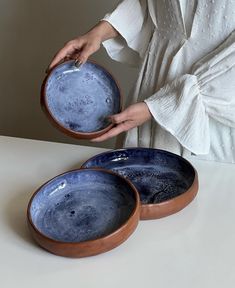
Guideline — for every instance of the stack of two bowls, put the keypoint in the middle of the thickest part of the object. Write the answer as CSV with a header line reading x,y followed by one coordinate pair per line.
x,y
94,209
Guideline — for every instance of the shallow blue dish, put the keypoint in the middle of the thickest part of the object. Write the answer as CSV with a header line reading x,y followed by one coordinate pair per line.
x,y
79,100
161,178
82,205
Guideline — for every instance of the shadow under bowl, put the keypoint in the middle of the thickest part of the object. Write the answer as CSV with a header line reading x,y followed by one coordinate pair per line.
x,y
166,182
78,101
83,212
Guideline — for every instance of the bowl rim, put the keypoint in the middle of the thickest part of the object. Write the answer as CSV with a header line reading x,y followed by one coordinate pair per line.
x,y
56,123
136,210
164,203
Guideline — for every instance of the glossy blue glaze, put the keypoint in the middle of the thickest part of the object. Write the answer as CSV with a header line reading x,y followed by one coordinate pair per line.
x,y
81,99
82,205
158,175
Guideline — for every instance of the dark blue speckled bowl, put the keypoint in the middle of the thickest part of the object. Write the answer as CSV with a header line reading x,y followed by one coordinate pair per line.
x,y
83,212
166,182
78,101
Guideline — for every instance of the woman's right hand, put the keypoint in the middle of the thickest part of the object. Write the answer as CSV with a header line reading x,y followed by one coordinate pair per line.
x,y
80,48
83,46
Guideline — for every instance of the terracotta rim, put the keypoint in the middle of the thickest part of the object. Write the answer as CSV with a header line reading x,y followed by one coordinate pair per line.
x,y
57,124
132,222
171,206
166,208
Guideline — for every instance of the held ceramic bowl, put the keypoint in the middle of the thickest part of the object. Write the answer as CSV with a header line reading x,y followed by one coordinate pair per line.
x,y
83,212
166,182
78,101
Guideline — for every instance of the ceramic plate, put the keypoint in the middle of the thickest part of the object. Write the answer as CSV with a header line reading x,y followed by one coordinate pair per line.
x,y
82,205
158,175
80,99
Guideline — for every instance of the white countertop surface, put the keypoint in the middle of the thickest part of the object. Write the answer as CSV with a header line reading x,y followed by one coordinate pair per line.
x,y
193,248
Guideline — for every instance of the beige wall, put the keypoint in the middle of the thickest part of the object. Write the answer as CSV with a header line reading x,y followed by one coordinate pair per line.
x,y
30,34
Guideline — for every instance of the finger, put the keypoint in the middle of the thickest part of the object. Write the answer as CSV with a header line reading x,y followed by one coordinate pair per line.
x,y
73,56
68,49
111,133
85,53
60,56
120,117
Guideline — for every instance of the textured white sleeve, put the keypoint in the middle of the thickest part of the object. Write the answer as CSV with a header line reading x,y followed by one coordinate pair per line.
x,y
183,107
133,22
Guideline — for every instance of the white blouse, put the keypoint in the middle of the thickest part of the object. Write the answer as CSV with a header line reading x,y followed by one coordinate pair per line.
x,y
185,51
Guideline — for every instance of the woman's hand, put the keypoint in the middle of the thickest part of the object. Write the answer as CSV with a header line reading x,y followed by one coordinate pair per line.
x,y
135,115
83,46
80,48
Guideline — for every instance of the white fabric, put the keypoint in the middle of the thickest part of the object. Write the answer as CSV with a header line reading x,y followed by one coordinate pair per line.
x,y
185,51
134,39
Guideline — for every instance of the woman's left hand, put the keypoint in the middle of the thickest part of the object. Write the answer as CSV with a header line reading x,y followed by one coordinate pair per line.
x,y
135,115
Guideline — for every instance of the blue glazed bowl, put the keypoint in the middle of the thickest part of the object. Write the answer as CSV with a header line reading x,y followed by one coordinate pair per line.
x,y
78,101
166,182
83,212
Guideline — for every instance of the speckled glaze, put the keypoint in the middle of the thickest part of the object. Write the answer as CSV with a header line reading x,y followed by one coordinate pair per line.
x,y
162,179
84,207
79,100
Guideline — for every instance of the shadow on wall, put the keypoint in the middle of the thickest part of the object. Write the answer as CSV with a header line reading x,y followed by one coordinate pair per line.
x,y
31,32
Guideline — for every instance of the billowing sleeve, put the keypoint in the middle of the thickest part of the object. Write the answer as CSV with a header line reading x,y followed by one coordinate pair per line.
x,y
133,22
184,106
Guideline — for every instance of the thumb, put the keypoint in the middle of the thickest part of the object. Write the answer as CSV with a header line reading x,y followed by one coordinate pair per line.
x,y
119,118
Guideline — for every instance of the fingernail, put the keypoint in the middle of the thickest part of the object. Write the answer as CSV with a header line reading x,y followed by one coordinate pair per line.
x,y
78,63
108,120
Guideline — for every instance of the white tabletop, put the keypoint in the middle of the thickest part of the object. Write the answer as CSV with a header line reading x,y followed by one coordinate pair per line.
x,y
193,248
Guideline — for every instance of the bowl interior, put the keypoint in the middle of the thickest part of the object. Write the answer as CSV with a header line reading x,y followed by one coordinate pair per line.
x,y
81,99
158,175
82,205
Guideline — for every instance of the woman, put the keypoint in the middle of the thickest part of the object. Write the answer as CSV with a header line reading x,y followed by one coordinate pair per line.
x,y
184,96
